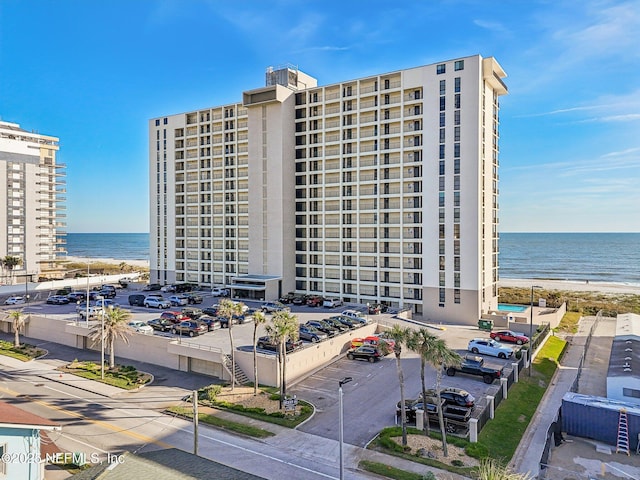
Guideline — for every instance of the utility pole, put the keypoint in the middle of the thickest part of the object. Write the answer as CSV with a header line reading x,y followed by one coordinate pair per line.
x,y
194,398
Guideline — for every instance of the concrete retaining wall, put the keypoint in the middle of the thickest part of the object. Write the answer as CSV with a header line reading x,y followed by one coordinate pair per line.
x,y
178,354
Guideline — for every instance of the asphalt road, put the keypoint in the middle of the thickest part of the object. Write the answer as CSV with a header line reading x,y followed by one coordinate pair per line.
x,y
103,427
369,400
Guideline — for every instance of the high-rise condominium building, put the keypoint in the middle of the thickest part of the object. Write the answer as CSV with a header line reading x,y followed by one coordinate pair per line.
x,y
31,210
382,189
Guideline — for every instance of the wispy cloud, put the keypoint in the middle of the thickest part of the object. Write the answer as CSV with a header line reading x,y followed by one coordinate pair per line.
x,y
629,117
495,27
622,152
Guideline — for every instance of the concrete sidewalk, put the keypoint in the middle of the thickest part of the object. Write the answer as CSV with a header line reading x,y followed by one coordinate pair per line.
x,y
529,452
182,384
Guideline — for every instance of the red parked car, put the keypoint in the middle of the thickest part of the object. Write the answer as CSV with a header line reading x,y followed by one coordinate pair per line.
x,y
509,336
174,317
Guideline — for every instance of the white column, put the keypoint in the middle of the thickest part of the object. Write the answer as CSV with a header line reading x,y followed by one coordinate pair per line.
x,y
492,408
505,387
473,430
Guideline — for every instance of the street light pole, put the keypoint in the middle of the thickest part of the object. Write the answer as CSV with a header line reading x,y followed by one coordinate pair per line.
x,y
87,299
102,339
340,383
531,328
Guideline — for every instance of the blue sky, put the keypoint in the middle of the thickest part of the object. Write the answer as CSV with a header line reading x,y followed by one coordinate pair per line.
x,y
94,72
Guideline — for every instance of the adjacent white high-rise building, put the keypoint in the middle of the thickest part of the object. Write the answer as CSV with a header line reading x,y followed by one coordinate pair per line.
x,y
32,220
382,189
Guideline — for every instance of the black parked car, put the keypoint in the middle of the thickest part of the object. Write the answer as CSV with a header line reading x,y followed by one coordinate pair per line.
x,y
189,327
211,322
348,322
265,343
57,300
323,326
452,396
365,352
192,312
337,324
152,287
193,298
108,291
76,296
160,324
212,310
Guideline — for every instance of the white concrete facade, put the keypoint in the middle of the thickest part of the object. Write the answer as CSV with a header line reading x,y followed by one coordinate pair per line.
x,y
32,220
380,189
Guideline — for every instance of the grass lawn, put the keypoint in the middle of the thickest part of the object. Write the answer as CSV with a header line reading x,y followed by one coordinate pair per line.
x,y
502,435
222,423
125,377
392,472
24,352
264,407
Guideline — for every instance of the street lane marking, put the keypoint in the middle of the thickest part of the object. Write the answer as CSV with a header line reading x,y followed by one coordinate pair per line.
x,y
108,426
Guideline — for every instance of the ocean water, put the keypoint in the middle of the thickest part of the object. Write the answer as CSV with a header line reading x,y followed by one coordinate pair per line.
x,y
596,257
593,257
122,246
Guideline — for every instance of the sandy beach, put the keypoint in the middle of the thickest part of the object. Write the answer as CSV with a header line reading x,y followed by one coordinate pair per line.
x,y
111,261
573,286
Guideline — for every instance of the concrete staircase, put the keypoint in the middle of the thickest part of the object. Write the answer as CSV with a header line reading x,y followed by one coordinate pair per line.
x,y
241,377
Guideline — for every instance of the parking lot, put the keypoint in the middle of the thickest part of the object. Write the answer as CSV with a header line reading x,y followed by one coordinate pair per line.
x,y
369,399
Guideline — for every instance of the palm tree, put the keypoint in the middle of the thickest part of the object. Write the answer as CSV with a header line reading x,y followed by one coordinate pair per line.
x,y
421,341
115,326
284,327
17,320
399,335
439,356
10,262
258,319
227,309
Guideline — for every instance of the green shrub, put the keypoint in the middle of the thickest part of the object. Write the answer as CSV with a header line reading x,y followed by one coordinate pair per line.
x,y
476,450
457,463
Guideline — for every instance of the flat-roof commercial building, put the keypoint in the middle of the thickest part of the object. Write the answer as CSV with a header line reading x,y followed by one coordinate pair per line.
x,y
378,189
32,218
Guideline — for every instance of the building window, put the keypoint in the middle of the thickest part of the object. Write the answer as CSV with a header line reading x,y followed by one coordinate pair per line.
x,y
442,119
442,87
441,167
456,165
442,135
456,295
442,297
457,100
165,121
456,150
456,199
442,262
441,184
456,86
442,104
630,392
441,279
456,182
441,68
157,122
456,117
456,134
441,152
458,65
